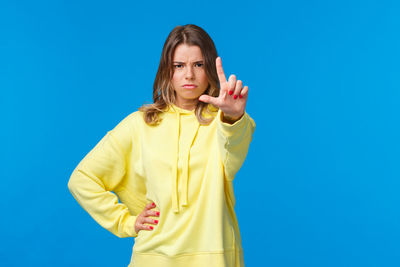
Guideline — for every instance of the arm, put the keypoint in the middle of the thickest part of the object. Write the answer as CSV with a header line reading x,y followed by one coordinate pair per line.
x,y
100,171
234,140
235,127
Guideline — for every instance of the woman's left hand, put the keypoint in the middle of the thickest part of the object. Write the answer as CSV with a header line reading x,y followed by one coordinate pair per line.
x,y
232,96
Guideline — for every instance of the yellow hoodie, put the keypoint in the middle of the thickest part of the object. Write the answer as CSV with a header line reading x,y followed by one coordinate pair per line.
x,y
186,169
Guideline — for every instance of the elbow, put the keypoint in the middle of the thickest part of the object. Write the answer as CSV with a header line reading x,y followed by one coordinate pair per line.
x,y
230,175
71,183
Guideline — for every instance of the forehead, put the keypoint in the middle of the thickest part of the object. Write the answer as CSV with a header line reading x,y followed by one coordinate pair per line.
x,y
187,53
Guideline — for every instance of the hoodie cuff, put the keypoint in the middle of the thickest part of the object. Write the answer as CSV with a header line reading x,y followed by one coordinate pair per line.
x,y
230,129
130,226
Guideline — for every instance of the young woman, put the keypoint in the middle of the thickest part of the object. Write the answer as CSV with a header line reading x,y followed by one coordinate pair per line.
x,y
172,163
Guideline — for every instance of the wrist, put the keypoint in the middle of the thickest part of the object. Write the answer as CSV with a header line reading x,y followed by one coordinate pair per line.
x,y
229,118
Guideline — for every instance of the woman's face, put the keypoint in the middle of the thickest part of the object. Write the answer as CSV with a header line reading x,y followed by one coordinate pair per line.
x,y
189,79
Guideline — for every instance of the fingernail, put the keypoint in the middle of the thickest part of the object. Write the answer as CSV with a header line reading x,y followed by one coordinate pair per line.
x,y
235,96
151,227
158,213
156,221
154,204
230,92
240,96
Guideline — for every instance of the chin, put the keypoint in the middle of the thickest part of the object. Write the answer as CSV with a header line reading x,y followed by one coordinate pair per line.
x,y
191,96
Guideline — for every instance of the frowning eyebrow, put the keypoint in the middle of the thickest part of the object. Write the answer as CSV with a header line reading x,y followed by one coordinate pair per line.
x,y
180,62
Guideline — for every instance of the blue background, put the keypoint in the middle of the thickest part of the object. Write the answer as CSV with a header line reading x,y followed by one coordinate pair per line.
x,y
320,185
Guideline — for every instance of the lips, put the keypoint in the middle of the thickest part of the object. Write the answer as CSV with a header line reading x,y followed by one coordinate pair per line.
x,y
189,86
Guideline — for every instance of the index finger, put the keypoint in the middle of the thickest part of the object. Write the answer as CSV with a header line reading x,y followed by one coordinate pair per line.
x,y
220,70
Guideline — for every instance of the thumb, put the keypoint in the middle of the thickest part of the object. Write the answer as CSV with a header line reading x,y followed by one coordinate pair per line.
x,y
209,99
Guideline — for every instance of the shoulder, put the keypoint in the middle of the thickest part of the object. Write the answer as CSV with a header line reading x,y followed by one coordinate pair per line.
x,y
133,118
129,123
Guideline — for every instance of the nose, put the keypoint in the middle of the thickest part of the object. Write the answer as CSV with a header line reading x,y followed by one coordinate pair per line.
x,y
189,73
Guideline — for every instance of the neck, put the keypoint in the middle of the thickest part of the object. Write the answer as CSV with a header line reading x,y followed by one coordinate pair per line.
x,y
187,105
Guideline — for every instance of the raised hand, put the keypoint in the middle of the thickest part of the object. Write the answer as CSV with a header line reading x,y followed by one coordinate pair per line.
x,y
232,97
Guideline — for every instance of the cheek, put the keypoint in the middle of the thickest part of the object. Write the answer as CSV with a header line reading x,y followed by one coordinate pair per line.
x,y
203,77
175,79
205,81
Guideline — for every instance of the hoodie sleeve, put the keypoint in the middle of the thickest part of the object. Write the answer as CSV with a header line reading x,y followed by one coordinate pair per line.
x,y
98,173
234,140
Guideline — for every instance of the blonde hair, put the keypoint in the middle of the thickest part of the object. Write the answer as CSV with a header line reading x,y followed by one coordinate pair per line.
x,y
163,92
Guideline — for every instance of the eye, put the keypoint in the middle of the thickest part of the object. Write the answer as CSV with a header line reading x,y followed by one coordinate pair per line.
x,y
177,66
200,64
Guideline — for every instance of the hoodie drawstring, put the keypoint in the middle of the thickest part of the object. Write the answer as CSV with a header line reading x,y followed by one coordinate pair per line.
x,y
185,167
